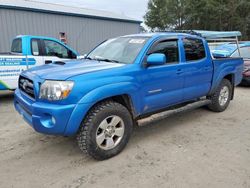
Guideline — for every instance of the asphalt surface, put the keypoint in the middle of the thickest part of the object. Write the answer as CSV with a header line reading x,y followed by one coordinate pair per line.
x,y
193,149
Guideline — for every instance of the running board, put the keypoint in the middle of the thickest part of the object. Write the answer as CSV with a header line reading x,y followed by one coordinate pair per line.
x,y
167,113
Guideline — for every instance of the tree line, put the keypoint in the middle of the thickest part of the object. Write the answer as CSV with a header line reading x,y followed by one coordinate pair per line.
x,y
216,15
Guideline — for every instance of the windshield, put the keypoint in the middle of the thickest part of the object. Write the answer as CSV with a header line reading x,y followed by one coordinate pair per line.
x,y
118,50
16,46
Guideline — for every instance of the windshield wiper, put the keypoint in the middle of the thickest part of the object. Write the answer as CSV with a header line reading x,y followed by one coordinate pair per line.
x,y
107,60
103,59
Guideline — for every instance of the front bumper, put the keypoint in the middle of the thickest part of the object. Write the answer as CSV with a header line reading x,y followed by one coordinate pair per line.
x,y
50,118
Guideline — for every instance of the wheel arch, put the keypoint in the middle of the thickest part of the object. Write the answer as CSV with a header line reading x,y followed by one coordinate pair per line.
x,y
123,99
230,77
123,93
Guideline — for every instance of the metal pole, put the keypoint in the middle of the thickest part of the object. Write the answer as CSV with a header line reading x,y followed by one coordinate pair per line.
x,y
27,62
238,46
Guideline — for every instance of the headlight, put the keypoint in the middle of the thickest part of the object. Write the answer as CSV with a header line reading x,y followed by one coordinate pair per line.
x,y
55,90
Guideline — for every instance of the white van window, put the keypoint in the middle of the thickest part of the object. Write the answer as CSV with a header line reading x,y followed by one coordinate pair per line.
x,y
34,47
55,49
16,46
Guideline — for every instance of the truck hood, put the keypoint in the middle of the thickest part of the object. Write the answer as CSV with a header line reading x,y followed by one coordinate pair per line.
x,y
66,69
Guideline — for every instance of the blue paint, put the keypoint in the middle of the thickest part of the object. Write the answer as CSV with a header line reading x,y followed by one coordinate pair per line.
x,y
150,88
17,61
156,59
2,87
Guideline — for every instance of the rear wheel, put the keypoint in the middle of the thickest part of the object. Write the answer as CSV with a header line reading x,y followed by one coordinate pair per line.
x,y
222,97
105,131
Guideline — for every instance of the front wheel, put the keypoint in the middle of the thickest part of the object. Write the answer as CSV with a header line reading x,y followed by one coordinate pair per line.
x,y
105,131
222,97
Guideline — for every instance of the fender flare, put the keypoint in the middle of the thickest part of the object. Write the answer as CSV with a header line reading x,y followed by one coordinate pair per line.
x,y
219,79
110,90
97,95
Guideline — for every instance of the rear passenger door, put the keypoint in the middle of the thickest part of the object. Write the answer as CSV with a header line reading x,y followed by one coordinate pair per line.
x,y
198,69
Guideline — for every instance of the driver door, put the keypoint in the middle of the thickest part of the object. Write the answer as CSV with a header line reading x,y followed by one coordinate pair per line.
x,y
53,51
163,84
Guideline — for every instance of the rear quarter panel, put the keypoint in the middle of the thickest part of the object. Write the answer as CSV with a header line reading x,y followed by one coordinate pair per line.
x,y
224,67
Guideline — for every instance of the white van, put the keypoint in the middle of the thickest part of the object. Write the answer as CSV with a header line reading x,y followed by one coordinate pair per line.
x,y
27,52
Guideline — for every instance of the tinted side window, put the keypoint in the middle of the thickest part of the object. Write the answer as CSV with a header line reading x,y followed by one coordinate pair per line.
x,y
55,49
35,47
16,46
194,49
169,48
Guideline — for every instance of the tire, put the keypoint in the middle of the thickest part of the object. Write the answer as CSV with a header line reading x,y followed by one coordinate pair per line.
x,y
222,96
105,122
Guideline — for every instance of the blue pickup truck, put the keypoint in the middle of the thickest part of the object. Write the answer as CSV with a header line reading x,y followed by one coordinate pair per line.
x,y
100,98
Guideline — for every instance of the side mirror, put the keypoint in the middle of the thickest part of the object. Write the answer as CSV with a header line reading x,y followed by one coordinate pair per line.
x,y
156,59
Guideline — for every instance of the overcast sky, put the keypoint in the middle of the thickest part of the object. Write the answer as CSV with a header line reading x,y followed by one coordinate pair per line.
x,y
131,8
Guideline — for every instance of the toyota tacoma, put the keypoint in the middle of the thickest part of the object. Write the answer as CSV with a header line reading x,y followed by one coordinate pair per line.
x,y
100,98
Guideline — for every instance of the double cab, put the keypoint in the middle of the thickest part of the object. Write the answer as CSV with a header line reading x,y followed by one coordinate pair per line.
x,y
100,98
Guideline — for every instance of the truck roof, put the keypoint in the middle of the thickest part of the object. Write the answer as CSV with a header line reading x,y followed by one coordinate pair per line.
x,y
36,37
167,34
209,35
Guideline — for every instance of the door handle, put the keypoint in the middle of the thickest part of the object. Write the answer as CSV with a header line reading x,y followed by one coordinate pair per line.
x,y
48,61
179,71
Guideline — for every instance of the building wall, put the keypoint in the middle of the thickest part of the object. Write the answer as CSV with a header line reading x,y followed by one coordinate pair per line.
x,y
83,33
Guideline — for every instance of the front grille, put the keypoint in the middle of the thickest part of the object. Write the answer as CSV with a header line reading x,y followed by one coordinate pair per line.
x,y
26,85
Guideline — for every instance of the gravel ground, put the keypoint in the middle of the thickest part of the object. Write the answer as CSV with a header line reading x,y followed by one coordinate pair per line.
x,y
192,149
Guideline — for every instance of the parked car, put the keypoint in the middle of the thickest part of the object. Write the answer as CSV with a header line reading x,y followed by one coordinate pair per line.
x,y
122,80
231,50
27,52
